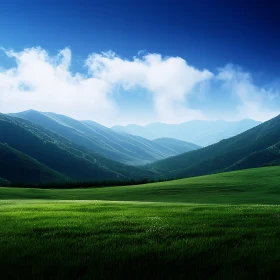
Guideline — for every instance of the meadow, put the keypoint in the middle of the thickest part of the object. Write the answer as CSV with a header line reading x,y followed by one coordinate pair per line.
x,y
222,226
251,186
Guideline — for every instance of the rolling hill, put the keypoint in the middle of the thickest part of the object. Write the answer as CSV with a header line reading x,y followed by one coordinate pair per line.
x,y
214,226
58,154
202,133
253,148
119,146
251,186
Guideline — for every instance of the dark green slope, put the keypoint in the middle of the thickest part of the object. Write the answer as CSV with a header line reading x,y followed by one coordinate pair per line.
x,y
177,145
223,155
18,167
122,147
59,154
4,182
266,157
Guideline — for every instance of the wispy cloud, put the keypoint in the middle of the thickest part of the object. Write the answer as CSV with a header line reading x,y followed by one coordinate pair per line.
x,y
253,101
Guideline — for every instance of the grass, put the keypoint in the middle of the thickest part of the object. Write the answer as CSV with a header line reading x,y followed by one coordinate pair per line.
x,y
118,240
252,186
228,229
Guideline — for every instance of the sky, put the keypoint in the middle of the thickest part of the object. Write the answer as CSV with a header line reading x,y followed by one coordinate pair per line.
x,y
122,62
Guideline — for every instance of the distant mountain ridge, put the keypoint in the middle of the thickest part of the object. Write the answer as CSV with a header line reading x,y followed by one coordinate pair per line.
x,y
259,146
177,145
119,146
202,133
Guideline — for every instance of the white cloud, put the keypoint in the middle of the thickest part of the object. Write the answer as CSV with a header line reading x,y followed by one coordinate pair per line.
x,y
170,80
253,100
45,83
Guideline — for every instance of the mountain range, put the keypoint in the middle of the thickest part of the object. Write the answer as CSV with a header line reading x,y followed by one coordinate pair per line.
x,y
258,146
119,146
202,133
40,147
32,154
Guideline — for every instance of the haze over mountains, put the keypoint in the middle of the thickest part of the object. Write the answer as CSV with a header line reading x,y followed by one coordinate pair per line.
x,y
202,133
177,145
119,146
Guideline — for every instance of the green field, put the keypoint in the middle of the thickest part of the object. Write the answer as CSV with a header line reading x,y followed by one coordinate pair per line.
x,y
252,186
224,226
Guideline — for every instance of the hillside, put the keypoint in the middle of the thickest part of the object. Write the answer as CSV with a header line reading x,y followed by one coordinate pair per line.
x,y
177,145
122,147
253,186
57,153
4,182
224,155
202,133
266,157
18,167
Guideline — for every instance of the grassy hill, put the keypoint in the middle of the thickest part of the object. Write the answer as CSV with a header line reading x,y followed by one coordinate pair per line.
x,y
225,154
60,155
258,186
122,147
193,233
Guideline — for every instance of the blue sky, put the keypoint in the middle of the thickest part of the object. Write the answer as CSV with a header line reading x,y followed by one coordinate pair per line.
x,y
224,57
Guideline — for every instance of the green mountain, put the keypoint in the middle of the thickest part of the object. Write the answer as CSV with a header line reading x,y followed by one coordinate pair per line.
x,y
202,133
266,157
122,147
177,145
58,154
18,167
256,147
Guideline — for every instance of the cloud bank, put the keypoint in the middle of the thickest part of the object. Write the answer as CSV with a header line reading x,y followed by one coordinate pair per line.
x,y
45,83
